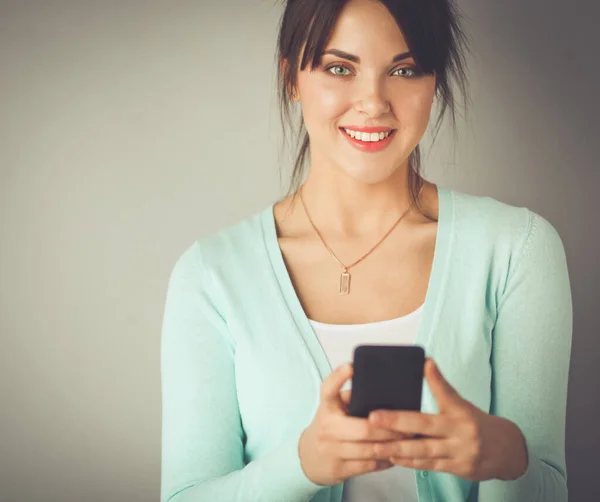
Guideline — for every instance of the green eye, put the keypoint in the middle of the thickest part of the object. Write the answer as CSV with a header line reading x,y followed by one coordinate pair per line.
x,y
407,68
338,73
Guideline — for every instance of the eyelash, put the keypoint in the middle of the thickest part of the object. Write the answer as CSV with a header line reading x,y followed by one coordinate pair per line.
x,y
412,68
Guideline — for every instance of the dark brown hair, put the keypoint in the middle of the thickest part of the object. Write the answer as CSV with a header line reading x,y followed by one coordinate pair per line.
x,y
434,36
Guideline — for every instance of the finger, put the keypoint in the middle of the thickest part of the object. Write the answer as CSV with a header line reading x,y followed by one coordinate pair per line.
x,y
346,428
345,396
416,448
431,464
365,450
356,450
413,422
445,394
384,464
333,383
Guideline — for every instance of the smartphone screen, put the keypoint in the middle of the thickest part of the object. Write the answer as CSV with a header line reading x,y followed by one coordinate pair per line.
x,y
386,377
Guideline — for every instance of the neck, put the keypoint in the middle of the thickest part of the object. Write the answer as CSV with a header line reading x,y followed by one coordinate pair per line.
x,y
345,207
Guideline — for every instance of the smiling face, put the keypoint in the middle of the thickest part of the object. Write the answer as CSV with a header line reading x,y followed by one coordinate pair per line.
x,y
365,81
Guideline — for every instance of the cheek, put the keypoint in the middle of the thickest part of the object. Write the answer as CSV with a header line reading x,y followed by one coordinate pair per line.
x,y
416,104
414,108
323,103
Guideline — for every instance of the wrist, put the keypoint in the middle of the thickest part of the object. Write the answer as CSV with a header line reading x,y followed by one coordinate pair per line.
x,y
302,456
516,460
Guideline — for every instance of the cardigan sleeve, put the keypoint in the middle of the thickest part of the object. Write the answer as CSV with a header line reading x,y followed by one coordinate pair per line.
x,y
530,360
202,454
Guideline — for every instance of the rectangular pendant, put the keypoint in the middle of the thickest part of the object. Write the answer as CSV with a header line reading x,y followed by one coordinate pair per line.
x,y
345,283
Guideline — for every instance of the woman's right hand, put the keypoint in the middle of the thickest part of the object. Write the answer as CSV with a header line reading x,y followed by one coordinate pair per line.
x,y
336,446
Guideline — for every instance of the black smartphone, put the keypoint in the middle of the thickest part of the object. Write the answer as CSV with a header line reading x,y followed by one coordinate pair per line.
x,y
386,377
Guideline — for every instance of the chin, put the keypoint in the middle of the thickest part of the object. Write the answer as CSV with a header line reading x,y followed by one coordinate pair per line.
x,y
370,176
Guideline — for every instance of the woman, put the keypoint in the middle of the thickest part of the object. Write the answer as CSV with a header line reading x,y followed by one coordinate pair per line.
x,y
262,316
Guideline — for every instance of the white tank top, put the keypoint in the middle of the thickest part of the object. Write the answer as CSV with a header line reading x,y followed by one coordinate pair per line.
x,y
397,483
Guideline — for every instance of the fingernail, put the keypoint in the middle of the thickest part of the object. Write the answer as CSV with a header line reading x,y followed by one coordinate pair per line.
x,y
375,417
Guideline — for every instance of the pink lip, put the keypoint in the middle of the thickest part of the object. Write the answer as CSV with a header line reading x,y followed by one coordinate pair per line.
x,y
368,129
367,146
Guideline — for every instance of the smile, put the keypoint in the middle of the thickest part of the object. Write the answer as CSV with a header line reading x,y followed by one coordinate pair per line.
x,y
369,141
367,137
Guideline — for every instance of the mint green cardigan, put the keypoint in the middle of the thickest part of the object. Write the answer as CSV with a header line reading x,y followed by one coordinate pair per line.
x,y
241,366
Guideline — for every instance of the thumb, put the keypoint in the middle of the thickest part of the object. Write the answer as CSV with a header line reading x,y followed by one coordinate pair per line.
x,y
345,396
333,383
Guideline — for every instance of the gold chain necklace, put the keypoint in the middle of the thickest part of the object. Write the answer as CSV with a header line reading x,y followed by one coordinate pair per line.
x,y
345,277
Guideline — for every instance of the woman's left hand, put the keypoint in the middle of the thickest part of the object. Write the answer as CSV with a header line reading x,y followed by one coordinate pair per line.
x,y
462,439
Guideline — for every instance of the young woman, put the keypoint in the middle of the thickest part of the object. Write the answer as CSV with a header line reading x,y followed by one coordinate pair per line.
x,y
261,318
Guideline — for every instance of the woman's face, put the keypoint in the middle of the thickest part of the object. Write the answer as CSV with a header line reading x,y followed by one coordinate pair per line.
x,y
365,87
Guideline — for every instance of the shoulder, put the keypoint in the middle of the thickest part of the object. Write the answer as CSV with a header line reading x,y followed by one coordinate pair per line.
x,y
503,244
229,245
484,218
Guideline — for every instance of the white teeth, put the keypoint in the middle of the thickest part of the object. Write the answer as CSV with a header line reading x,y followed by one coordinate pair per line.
x,y
367,137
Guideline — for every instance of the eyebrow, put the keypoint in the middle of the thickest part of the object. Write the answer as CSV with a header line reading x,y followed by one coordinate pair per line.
x,y
356,59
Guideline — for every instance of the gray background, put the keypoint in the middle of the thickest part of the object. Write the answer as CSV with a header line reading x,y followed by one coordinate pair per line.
x,y
129,129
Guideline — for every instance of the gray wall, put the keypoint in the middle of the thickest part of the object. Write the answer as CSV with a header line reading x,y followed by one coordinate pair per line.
x,y
128,129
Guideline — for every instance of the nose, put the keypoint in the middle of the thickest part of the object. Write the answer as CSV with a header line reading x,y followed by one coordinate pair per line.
x,y
372,100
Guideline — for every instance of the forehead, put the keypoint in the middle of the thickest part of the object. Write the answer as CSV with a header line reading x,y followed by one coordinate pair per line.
x,y
367,26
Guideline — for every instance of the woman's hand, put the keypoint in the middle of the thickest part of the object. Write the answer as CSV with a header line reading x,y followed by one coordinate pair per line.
x,y
462,439
336,446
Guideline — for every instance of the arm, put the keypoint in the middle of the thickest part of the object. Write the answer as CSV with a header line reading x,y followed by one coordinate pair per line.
x,y
202,435
530,361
